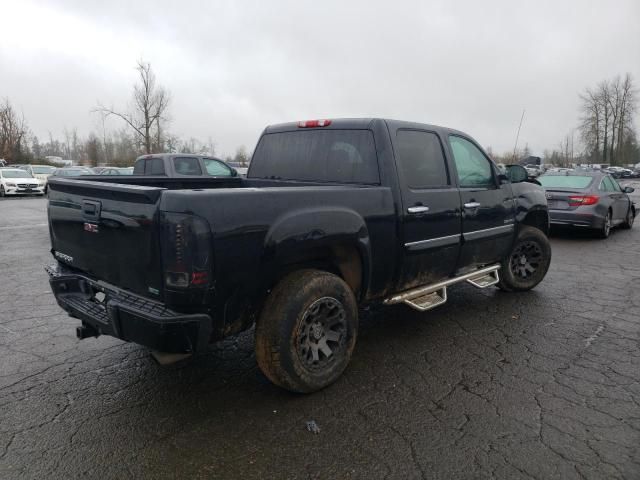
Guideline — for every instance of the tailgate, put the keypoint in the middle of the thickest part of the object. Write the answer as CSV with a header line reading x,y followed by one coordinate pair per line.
x,y
108,231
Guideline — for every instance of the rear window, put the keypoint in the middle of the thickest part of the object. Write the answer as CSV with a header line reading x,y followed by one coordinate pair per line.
x,y
326,156
565,181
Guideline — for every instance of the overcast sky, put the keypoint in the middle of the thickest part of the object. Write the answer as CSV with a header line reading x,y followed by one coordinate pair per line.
x,y
233,67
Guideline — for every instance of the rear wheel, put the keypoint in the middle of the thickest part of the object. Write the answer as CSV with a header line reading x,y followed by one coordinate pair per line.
x,y
307,331
605,230
527,263
631,216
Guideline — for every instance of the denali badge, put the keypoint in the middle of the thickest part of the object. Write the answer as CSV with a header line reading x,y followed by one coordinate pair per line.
x,y
62,256
90,227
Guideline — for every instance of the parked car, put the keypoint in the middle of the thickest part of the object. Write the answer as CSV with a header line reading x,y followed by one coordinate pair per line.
x,y
116,171
72,172
333,214
533,170
42,172
15,181
182,165
239,167
589,200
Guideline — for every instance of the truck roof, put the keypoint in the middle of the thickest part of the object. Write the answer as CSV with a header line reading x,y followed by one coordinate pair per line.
x,y
362,123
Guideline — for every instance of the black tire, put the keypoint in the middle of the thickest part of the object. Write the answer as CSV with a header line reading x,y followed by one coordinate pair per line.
x,y
2,194
293,348
605,230
527,262
628,222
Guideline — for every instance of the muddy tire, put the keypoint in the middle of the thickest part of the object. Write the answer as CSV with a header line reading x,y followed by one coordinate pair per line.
x,y
527,263
307,331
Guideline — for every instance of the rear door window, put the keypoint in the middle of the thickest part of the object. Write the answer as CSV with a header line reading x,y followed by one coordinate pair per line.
x,y
421,159
149,166
187,166
155,166
138,168
325,156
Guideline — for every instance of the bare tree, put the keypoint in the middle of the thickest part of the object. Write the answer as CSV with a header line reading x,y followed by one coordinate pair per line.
x,y
149,108
606,120
13,132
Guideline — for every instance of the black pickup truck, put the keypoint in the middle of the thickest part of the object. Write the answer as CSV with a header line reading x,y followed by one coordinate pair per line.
x,y
333,215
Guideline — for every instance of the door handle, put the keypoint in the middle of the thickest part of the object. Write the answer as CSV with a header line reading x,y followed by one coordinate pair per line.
x,y
418,209
472,205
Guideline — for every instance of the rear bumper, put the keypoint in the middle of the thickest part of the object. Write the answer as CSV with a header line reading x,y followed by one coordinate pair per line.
x,y
127,316
575,219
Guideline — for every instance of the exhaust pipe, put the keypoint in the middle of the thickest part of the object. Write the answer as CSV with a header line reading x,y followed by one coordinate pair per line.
x,y
86,331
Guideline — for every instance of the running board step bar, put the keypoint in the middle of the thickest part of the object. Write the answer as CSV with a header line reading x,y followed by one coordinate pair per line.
x,y
430,296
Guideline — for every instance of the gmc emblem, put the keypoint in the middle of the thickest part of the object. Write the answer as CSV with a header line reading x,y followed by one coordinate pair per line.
x,y
90,227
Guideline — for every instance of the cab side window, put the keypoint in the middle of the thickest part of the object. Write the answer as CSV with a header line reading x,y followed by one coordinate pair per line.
x,y
609,184
474,169
187,166
215,168
421,159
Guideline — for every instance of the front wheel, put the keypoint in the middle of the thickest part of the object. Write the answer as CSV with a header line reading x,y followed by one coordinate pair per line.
x,y
307,331
527,263
2,192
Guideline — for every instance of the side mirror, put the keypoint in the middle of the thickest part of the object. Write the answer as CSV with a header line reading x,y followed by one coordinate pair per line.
x,y
516,173
629,190
234,172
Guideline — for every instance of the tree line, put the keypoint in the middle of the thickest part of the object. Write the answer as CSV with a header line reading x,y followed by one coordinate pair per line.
x,y
145,129
605,132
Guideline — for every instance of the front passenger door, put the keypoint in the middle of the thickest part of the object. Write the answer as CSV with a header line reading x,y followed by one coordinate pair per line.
x,y
488,207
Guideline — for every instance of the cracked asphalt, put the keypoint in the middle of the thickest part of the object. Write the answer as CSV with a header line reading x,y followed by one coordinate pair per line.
x,y
544,384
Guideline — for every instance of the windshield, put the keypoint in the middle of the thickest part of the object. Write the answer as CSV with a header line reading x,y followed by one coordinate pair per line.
x,y
43,170
16,174
565,181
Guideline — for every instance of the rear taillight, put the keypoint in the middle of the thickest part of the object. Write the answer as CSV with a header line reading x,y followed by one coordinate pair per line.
x,y
314,123
578,200
186,251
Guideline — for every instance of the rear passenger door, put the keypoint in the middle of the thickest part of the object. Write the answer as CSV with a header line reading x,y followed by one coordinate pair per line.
x,y
488,207
431,209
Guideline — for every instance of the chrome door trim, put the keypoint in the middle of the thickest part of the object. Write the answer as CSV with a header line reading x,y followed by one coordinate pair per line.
x,y
433,242
488,232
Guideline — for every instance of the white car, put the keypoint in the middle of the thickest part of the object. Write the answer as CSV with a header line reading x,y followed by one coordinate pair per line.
x,y
41,172
14,181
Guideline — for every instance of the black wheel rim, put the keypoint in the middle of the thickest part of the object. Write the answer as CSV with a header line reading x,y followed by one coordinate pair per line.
x,y
322,333
525,260
630,218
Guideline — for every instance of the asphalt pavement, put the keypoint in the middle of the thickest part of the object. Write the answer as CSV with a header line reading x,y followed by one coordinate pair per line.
x,y
543,384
